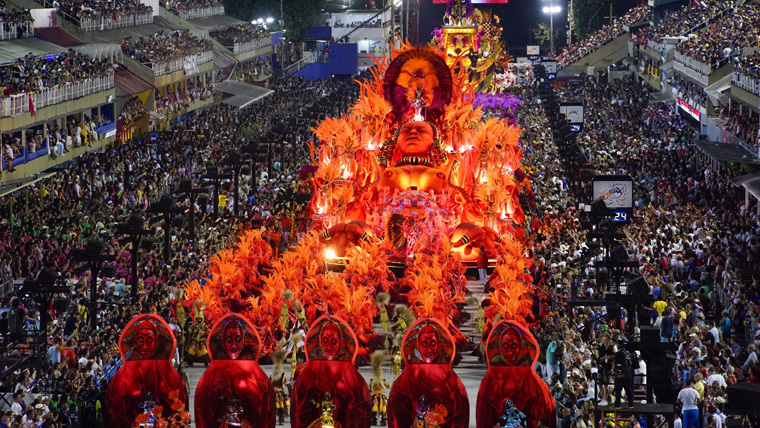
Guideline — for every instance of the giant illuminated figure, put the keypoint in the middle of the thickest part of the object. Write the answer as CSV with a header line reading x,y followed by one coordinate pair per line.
x,y
414,162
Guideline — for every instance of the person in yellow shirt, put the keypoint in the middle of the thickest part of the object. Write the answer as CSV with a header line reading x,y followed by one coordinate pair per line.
x,y
660,306
699,386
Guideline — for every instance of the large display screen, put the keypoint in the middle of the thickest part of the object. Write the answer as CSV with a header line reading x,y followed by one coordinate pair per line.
x,y
617,193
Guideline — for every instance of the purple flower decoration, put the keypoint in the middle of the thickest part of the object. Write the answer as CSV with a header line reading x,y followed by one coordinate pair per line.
x,y
503,104
437,35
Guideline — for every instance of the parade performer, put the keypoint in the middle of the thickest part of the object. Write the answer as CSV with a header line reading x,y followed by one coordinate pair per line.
x,y
281,385
196,341
234,376
331,349
377,386
147,374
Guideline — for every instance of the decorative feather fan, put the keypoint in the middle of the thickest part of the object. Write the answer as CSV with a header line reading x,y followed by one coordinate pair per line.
x,y
429,71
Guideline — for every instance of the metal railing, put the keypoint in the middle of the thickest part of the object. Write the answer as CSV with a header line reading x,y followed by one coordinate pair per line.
x,y
700,67
18,104
11,31
200,12
299,65
240,48
6,288
108,23
748,83
163,68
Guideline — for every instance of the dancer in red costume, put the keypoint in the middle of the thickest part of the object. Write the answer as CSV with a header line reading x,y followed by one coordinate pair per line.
x,y
234,388
512,352
147,346
428,350
331,348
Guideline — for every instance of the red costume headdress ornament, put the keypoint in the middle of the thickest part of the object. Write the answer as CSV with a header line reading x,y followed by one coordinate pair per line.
x,y
419,78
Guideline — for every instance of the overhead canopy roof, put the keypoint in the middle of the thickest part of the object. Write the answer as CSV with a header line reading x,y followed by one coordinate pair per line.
x,y
740,180
243,94
129,81
12,50
725,152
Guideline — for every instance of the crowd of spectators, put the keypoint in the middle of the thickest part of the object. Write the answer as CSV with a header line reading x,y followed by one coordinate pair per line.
x,y
78,133
109,9
254,70
242,33
688,19
177,102
726,37
133,111
40,226
749,66
164,47
695,242
688,90
21,18
186,5
606,34
742,123
32,74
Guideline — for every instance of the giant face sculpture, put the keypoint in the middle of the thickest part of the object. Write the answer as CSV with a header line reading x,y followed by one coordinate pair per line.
x,y
428,343
415,139
233,339
510,344
330,340
146,340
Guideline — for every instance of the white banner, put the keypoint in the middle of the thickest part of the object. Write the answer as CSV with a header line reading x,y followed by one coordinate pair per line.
x,y
190,64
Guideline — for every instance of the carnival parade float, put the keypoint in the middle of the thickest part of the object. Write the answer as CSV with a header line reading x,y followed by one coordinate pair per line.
x,y
409,188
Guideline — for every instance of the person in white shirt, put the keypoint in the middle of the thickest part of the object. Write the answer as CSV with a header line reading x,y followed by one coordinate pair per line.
x,y
677,421
17,408
715,377
688,398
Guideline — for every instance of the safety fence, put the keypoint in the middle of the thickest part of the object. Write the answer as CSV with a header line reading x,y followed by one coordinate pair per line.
x,y
18,104
11,31
240,48
701,67
189,63
102,23
746,82
200,12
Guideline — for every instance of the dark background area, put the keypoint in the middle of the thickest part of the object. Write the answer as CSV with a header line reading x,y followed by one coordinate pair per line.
x,y
518,18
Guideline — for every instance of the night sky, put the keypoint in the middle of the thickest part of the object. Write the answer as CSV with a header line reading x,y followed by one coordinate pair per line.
x,y
518,17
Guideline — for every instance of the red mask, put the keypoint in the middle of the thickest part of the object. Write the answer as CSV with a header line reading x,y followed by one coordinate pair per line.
x,y
330,340
428,343
233,339
146,340
510,346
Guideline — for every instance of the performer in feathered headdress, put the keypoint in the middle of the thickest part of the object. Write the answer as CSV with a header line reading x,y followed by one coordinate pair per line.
x,y
377,387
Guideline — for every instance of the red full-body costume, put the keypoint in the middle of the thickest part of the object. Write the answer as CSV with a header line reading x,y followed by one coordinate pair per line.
x,y
512,353
428,350
234,376
331,348
146,346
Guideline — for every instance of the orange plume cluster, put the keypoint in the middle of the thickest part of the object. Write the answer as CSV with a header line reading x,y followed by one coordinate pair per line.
x,y
511,298
234,274
436,283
